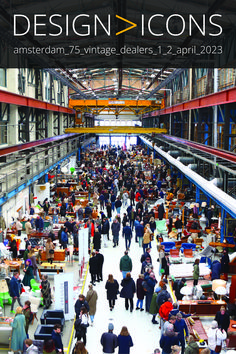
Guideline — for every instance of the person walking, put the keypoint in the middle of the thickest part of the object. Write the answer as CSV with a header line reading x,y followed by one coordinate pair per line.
x,y
56,337
140,292
127,233
124,341
50,250
46,292
118,205
27,313
93,268
223,319
19,226
91,298
225,264
115,228
81,302
109,340
105,231
182,329
215,337
150,280
100,261
15,290
29,273
97,239
112,288
196,272
168,339
18,331
154,308
128,290
125,264
81,325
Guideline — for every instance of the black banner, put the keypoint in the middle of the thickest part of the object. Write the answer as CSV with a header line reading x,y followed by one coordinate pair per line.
x,y
154,34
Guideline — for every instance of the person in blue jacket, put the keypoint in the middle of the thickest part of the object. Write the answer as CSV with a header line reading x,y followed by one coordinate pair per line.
x,y
64,239
124,341
56,337
127,233
168,339
109,340
39,224
215,270
15,290
128,290
150,279
181,327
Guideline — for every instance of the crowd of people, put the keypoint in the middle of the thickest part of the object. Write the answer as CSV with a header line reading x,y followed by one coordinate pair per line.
x,y
115,180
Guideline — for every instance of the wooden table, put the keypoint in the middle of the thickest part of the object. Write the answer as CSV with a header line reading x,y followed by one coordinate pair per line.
x,y
200,307
37,234
13,264
51,268
59,256
221,244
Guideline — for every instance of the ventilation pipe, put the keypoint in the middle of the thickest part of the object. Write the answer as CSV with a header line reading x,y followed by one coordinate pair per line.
x,y
186,160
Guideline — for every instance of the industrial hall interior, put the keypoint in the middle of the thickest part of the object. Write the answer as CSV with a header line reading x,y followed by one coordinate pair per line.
x,y
118,210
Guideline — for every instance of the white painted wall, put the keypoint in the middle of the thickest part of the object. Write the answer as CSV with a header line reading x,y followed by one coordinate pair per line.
x,y
9,209
41,194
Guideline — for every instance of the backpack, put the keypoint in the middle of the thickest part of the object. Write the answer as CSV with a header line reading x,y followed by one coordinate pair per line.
x,y
144,285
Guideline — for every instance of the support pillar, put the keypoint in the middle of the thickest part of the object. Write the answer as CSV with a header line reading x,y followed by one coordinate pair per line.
x,y
223,225
78,154
197,195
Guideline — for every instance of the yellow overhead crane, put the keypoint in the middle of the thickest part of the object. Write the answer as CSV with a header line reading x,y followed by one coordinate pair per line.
x,y
115,130
114,106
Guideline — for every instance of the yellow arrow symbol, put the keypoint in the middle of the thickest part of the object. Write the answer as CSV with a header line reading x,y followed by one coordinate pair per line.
x,y
126,29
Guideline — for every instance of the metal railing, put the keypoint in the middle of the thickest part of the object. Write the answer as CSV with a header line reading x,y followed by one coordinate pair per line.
x,y
42,161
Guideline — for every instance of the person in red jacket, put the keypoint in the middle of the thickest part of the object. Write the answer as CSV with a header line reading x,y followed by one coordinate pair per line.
x,y
137,196
164,311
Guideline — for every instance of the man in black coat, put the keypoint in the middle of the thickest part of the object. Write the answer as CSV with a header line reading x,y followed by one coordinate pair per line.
x,y
223,319
178,285
225,264
93,266
100,261
161,211
105,227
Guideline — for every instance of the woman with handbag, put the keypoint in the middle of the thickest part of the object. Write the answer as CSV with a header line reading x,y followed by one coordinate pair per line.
x,y
49,250
81,325
112,288
216,338
91,298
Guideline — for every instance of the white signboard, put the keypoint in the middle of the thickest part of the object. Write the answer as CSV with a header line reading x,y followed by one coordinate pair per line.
x,y
63,295
83,245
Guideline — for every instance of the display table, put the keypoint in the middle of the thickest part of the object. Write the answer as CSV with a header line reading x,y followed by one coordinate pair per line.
x,y
186,271
59,256
13,265
200,307
221,244
197,326
51,268
37,234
